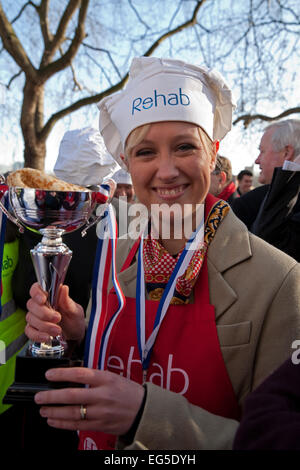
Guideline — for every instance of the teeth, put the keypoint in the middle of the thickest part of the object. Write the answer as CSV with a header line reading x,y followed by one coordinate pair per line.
x,y
170,192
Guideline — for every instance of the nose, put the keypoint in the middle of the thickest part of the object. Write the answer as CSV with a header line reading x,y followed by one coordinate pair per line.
x,y
167,168
122,192
257,161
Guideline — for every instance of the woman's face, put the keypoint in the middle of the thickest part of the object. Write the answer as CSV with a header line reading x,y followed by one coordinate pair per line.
x,y
171,165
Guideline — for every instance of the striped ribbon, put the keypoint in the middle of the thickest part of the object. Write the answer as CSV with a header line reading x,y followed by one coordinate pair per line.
x,y
145,347
97,337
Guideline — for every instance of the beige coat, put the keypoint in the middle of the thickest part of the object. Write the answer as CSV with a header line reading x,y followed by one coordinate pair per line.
x,y
256,293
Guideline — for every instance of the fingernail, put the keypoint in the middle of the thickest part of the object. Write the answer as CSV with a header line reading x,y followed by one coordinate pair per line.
x,y
49,374
43,412
38,398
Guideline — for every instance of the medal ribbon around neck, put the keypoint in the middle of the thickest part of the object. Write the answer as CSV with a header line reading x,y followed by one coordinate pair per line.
x,y
145,347
96,343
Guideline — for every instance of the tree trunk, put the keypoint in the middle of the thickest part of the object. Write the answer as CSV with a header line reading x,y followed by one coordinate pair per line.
x,y
31,123
34,154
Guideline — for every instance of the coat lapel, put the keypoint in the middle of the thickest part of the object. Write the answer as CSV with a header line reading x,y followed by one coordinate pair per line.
x,y
230,246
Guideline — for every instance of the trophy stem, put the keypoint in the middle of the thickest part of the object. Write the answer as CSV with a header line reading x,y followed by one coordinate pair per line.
x,y
51,259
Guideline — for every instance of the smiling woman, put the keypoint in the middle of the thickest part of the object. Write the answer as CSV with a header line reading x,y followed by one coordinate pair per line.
x,y
194,332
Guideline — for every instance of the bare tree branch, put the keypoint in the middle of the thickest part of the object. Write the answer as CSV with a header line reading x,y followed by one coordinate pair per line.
x,y
106,52
138,15
43,14
13,78
21,11
248,118
176,30
14,47
79,104
65,60
95,98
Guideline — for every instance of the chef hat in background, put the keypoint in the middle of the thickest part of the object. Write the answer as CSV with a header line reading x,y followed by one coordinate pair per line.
x,y
122,176
83,158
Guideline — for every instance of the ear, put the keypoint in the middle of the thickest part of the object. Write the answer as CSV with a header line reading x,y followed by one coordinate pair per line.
x,y
212,165
289,153
124,159
216,144
222,177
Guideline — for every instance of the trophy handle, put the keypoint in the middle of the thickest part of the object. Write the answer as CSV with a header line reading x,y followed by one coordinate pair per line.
x,y
94,219
3,191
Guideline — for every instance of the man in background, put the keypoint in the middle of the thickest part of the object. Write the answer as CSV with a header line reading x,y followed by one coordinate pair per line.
x,y
124,185
272,211
245,180
221,184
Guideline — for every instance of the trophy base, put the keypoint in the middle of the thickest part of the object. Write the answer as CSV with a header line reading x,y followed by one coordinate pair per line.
x,y
30,376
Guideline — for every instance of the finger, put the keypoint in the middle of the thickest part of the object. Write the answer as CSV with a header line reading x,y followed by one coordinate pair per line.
x,y
35,335
66,413
43,312
81,425
38,293
65,396
82,375
66,304
42,326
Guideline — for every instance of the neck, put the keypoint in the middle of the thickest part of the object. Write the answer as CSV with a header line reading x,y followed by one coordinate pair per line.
x,y
173,246
173,233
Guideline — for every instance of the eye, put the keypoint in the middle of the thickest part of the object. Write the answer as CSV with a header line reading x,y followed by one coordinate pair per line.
x,y
144,152
185,147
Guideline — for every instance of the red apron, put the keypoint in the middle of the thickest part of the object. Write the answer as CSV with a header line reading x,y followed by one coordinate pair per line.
x,y
189,361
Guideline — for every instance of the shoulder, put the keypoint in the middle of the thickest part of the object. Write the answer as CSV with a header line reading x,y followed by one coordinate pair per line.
x,y
255,196
235,246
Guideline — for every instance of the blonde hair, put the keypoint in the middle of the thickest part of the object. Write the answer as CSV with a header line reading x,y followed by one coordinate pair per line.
x,y
137,135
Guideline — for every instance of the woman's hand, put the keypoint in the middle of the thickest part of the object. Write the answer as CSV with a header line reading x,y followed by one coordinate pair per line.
x,y
111,401
43,321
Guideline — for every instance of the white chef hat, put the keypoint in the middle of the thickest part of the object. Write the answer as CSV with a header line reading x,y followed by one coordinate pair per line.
x,y
122,176
165,90
83,158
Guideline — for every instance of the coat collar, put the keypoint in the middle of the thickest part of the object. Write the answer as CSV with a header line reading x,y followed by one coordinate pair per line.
x,y
230,246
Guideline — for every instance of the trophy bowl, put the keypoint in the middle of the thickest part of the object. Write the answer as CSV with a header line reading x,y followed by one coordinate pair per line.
x,y
44,209
52,214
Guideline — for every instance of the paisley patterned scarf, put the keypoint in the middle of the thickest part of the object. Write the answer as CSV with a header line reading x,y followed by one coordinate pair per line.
x,y
159,264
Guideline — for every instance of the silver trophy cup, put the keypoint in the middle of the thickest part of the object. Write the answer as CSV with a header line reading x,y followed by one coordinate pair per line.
x,y
53,214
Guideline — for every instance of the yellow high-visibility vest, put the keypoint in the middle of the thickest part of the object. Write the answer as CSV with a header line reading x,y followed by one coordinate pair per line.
x,y
12,322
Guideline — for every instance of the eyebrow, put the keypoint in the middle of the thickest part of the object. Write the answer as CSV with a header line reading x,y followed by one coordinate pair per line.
x,y
177,137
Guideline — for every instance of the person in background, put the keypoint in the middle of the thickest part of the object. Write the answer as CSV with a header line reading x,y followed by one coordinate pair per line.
x,y
124,185
272,211
245,180
192,335
12,336
271,419
221,184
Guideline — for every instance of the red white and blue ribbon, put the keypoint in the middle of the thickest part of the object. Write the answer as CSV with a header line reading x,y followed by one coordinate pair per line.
x,y
102,195
146,346
97,338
